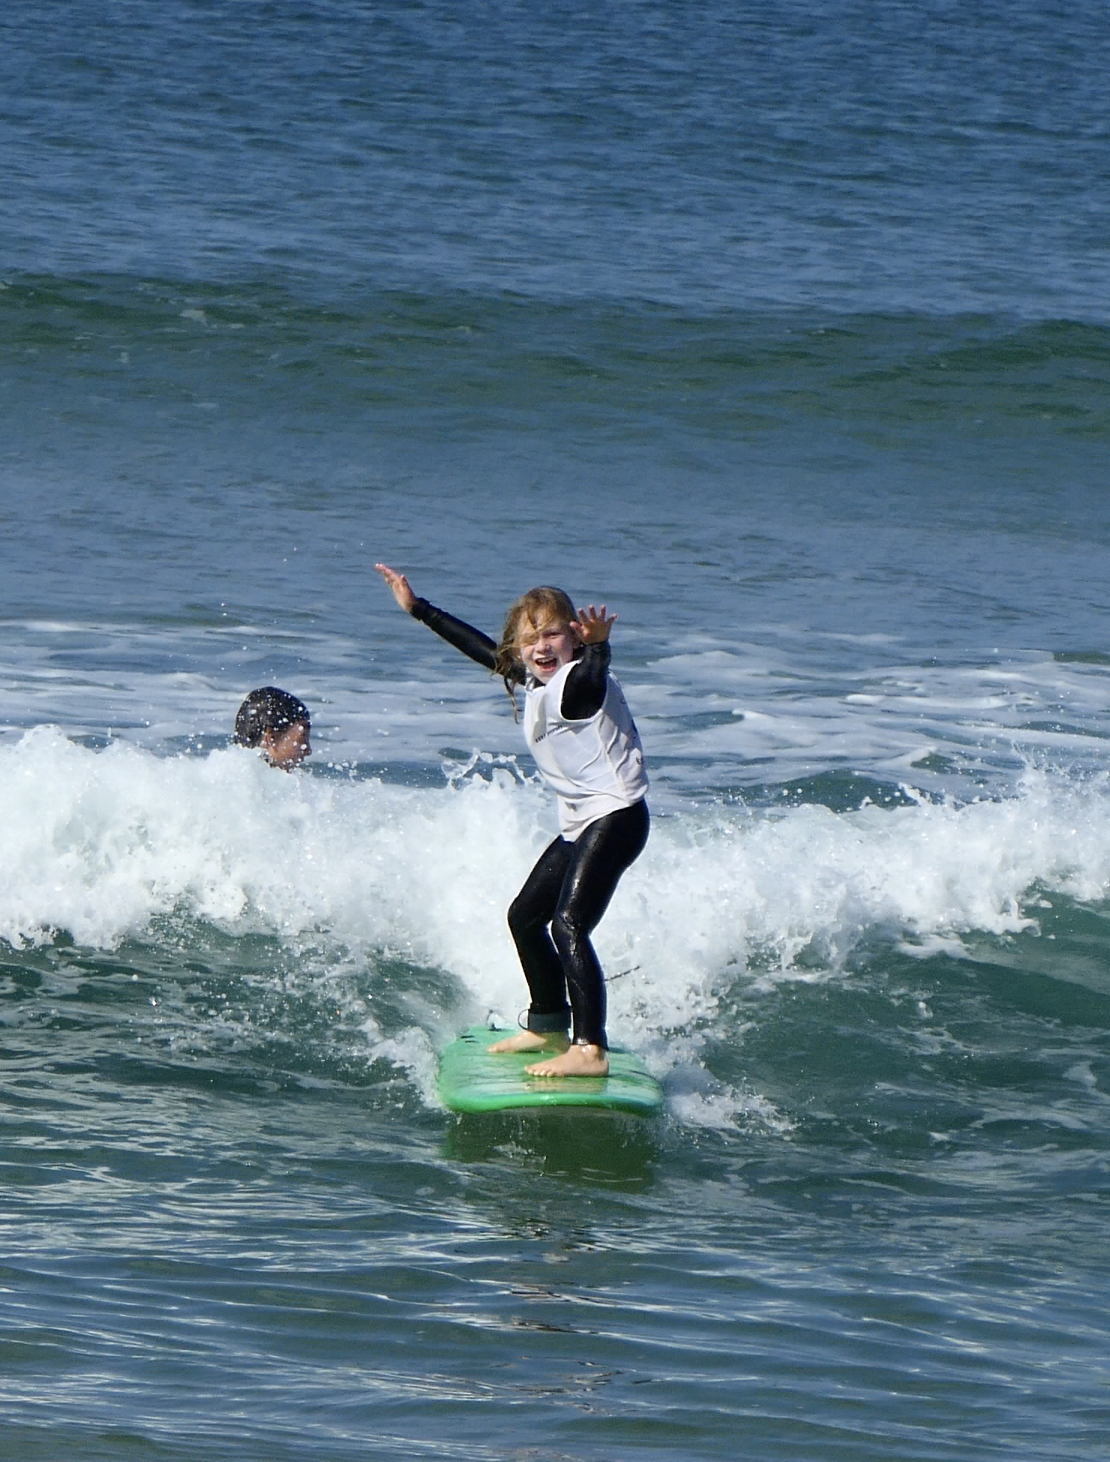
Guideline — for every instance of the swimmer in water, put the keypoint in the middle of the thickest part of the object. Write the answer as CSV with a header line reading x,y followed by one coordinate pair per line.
x,y
278,724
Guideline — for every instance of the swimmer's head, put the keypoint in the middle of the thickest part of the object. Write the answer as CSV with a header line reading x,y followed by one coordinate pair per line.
x,y
277,723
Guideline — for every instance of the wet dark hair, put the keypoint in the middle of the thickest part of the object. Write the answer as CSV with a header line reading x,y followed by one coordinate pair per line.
x,y
268,709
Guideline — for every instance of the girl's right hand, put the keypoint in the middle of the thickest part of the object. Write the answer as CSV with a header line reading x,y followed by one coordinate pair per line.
x,y
402,591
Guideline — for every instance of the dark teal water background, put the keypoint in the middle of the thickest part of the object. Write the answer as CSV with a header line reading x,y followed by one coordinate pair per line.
x,y
785,330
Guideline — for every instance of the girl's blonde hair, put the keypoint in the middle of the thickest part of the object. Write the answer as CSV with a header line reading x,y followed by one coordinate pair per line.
x,y
536,609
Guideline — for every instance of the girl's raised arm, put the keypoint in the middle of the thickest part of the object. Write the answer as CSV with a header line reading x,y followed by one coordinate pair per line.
x,y
472,642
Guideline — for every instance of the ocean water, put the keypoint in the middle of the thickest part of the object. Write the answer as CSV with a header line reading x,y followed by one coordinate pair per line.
x,y
784,331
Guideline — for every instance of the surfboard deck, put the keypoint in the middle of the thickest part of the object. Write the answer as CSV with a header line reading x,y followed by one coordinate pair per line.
x,y
471,1080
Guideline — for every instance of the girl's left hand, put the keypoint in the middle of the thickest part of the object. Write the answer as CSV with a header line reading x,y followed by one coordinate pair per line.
x,y
593,625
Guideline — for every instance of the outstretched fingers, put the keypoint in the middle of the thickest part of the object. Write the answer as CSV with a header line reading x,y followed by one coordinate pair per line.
x,y
400,586
593,625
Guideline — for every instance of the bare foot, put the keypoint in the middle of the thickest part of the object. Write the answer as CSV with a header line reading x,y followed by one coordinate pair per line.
x,y
531,1041
574,1061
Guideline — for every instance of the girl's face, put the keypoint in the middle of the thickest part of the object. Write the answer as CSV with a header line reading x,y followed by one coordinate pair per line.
x,y
545,651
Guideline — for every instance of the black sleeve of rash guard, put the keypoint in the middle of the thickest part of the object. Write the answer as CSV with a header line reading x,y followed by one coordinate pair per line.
x,y
584,692
457,632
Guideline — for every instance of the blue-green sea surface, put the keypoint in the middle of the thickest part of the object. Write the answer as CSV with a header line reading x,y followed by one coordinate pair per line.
x,y
784,331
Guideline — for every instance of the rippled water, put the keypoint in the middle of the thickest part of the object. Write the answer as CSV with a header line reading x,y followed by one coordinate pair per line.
x,y
782,331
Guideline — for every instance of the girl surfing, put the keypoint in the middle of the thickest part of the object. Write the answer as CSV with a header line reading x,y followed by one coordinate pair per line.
x,y
585,743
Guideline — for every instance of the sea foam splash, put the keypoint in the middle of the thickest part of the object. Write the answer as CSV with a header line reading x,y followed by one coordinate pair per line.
x,y
99,844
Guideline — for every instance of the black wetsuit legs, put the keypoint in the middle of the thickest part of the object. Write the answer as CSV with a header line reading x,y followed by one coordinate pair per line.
x,y
554,914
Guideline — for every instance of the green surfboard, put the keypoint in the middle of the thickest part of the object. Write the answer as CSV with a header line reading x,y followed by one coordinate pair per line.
x,y
471,1080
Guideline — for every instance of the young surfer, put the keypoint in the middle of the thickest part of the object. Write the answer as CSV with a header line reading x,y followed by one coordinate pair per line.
x,y
278,724
585,743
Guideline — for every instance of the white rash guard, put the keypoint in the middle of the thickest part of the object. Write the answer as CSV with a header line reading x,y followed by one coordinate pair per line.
x,y
594,766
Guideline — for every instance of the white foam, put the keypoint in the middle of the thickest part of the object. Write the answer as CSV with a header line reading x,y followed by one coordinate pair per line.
x,y
105,844
796,717
99,843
